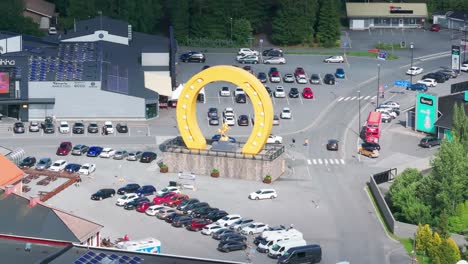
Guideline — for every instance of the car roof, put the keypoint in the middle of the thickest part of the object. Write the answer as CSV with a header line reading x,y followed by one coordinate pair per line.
x,y
267,190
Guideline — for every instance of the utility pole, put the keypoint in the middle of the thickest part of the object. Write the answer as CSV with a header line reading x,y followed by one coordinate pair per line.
x,y
464,40
411,75
359,124
378,83
231,29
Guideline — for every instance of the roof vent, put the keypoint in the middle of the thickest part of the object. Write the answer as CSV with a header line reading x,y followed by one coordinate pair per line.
x,y
9,189
34,200
129,32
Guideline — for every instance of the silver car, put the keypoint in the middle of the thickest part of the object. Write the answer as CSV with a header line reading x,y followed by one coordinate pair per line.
x,y
239,224
43,164
134,155
121,154
34,126
275,60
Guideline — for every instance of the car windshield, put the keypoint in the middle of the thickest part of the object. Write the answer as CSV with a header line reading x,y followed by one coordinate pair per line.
x,y
63,145
258,192
99,193
275,247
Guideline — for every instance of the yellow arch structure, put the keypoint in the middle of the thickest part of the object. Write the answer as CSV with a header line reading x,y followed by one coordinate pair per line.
x,y
263,108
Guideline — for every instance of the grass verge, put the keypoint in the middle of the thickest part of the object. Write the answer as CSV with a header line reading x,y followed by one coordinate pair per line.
x,y
351,53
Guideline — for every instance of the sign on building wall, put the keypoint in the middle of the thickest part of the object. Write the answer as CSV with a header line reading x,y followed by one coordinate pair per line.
x,y
456,58
77,84
426,112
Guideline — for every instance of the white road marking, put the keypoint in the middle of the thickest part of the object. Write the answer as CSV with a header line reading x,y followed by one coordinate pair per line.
x,y
337,161
347,98
367,97
340,99
309,162
326,162
331,161
373,97
314,161
320,161
342,161
360,98
354,97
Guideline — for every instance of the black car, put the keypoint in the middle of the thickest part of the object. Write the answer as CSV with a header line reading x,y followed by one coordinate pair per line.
x,y
232,237
204,212
216,215
133,204
438,77
18,127
214,121
268,90
429,142
172,217
122,128
78,128
182,221
186,203
332,144
370,146
93,128
49,128
213,112
315,79
294,93
129,188
241,99
274,52
447,75
243,120
103,194
148,157
190,208
193,56
452,73
262,77
28,162
232,246
329,79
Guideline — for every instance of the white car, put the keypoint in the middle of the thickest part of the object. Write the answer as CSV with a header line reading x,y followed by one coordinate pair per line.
x,y
247,51
168,189
33,126
286,113
238,91
229,120
225,92
387,111
107,153
52,31
288,78
228,111
428,82
335,59
275,60
254,228
390,104
109,127
464,67
64,128
301,79
263,194
210,229
414,71
279,92
126,198
275,79
87,168
59,165
154,209
228,220
386,117
272,139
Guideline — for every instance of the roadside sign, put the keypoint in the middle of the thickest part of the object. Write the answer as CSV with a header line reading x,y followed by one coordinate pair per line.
x,y
261,40
402,83
386,86
344,44
382,55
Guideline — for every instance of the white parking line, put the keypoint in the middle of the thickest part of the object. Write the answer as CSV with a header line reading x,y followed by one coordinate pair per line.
x,y
300,98
342,161
287,100
347,98
326,162
360,98
233,101
331,161
314,161
337,161
309,162
373,97
367,97
219,99
354,97
340,99
320,161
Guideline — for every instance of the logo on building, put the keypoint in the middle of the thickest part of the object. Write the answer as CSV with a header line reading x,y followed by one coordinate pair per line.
x,y
7,62
399,10
426,101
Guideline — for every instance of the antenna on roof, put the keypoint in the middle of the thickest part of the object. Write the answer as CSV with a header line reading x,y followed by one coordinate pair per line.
x,y
74,24
100,18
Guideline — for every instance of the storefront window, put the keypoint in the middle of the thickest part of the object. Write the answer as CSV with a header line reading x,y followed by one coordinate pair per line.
x,y
394,21
151,110
412,21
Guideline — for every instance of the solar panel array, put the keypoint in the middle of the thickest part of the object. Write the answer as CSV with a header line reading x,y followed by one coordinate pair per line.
x,y
102,258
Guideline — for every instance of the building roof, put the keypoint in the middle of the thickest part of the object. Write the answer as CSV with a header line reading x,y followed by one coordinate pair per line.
x,y
446,106
113,26
365,10
18,218
40,7
458,15
10,173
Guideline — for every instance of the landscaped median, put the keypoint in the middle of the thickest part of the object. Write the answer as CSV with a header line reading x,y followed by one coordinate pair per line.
x,y
349,54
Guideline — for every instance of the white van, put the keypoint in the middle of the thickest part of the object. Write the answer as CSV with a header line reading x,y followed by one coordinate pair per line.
x,y
281,247
266,245
148,245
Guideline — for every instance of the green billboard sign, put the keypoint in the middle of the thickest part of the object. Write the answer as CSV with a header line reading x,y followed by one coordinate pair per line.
x,y
426,112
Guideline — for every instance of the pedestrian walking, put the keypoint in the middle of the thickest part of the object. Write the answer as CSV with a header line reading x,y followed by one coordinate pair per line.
x,y
249,252
294,141
306,142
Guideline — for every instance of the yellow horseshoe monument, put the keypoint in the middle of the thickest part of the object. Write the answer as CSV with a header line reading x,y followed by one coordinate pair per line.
x,y
263,108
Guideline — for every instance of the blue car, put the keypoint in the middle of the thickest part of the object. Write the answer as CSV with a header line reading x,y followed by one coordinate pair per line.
x,y
94,151
340,73
146,190
417,87
72,167
217,137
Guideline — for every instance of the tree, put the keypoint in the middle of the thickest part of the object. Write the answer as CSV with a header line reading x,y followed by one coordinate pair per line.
x,y
433,251
241,31
258,12
460,125
328,29
459,221
448,251
13,20
180,19
443,228
423,238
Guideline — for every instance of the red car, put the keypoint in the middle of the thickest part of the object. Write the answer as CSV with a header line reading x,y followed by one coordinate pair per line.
x,y
176,200
435,27
64,148
299,71
198,224
164,198
307,93
143,206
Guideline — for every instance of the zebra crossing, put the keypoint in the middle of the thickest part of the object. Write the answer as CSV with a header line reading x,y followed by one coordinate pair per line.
x,y
352,98
326,162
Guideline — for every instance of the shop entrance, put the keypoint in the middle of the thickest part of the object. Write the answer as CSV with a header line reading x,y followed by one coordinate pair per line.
x,y
400,22
151,110
10,111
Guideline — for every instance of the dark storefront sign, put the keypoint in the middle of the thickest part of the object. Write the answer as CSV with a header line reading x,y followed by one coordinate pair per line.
x,y
399,10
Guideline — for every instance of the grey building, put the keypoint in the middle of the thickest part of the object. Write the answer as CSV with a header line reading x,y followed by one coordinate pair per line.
x,y
99,69
452,19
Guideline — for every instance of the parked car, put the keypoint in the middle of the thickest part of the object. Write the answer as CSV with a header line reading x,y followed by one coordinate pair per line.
x,y
243,120
163,213
210,229
225,92
334,59
72,168
435,27
148,157
34,126
370,145
229,120
286,113
464,67
279,92
417,87
340,73
64,148
212,112
232,237
58,165
103,194
204,212
135,202
64,128
239,224
27,162
129,188
390,104
241,99
107,153
216,215
315,79
122,128
288,78
414,70
429,142
274,52
172,217
293,93
87,168
248,59
109,127
143,206
329,79
438,77
332,144
299,71
94,151
146,190
163,198
247,51
154,209
120,154
307,93
48,128
254,228
193,56
272,139
275,77
78,128
263,194
168,189
43,164
220,232
368,153
126,198
134,155
213,121
275,60
176,200
229,220
79,149
428,82
182,221
232,246
198,224
262,77
188,209
93,127
18,128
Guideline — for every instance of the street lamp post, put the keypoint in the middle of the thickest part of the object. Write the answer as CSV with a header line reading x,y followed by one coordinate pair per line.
x,y
231,28
464,40
378,83
359,124
411,75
